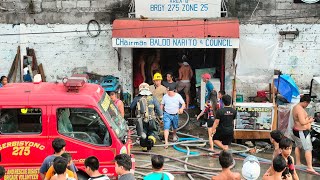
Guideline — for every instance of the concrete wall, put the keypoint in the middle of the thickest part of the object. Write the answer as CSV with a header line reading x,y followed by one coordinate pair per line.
x,y
273,11
62,11
63,54
300,58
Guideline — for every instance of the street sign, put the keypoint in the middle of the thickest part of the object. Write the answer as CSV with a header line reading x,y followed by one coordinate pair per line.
x,y
176,42
178,8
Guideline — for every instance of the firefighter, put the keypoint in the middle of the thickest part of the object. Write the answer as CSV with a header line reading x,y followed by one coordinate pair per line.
x,y
157,89
147,109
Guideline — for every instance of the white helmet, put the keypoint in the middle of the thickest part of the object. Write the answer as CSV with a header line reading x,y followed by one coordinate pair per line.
x,y
251,168
144,89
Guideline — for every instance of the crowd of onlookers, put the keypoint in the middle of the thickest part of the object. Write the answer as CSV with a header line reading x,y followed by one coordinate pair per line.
x,y
59,166
219,115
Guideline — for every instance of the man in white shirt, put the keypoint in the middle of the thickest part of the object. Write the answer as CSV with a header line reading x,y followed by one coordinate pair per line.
x,y
173,105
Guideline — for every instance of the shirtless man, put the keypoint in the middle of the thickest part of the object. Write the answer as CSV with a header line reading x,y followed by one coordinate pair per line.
x,y
301,131
185,75
226,161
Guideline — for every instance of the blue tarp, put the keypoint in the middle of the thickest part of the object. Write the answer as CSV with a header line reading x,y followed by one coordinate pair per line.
x,y
286,87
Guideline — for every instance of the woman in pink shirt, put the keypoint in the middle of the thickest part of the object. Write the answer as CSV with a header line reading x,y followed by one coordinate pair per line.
x,y
117,102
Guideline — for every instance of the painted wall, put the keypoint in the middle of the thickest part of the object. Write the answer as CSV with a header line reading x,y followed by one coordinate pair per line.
x,y
273,11
63,54
62,11
300,58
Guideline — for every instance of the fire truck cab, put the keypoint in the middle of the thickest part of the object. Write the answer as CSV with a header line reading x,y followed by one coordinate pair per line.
x,y
33,114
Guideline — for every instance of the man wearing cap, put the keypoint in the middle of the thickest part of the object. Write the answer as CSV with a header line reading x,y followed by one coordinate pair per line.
x,y
147,107
172,104
209,86
157,89
211,93
185,75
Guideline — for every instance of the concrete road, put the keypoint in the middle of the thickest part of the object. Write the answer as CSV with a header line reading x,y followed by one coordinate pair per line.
x,y
210,163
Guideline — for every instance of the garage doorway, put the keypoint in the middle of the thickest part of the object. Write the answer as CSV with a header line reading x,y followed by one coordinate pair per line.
x,y
169,58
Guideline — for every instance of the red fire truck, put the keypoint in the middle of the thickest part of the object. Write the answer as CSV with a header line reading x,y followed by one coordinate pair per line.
x,y
33,114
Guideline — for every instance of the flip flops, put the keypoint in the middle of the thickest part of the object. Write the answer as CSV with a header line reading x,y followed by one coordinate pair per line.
x,y
312,172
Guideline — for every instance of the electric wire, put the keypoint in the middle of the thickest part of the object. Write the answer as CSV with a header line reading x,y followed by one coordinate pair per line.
x,y
177,160
94,23
183,170
147,27
199,170
255,9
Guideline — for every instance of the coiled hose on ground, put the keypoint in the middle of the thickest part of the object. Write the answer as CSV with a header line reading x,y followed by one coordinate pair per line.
x,y
199,143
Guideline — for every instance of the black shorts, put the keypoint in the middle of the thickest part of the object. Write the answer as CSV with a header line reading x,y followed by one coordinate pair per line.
x,y
210,123
226,139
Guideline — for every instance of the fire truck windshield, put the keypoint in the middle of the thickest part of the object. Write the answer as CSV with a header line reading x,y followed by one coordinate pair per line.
x,y
113,116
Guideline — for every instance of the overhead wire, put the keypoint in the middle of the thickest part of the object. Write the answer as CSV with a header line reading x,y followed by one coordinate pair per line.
x,y
152,27
255,9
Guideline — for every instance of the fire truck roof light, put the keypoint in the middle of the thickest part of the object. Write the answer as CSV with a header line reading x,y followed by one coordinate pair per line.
x,y
74,83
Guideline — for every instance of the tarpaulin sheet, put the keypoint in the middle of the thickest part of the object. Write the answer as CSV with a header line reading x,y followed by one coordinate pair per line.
x,y
255,60
283,117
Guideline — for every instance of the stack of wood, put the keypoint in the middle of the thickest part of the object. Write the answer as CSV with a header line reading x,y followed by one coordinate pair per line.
x,y
33,66
15,70
30,66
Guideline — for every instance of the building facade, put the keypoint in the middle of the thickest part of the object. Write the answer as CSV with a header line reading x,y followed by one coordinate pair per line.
x,y
57,30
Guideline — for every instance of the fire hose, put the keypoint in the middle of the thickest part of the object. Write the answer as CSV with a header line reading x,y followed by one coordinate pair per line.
x,y
199,143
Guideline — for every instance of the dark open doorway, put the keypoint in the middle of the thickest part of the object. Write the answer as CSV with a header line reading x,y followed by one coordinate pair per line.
x,y
169,58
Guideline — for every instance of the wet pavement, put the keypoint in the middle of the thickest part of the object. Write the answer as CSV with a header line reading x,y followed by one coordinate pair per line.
x,y
208,163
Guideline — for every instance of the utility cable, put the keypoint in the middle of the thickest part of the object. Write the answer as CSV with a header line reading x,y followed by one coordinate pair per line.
x,y
255,9
148,27
177,160
185,165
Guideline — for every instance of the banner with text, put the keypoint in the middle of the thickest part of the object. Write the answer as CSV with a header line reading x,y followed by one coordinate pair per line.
x,y
175,42
178,8
254,117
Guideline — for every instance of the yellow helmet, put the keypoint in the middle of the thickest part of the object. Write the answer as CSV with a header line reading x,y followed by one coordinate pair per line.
x,y
157,76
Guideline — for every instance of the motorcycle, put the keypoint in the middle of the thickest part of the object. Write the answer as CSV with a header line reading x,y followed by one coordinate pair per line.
x,y
315,111
315,138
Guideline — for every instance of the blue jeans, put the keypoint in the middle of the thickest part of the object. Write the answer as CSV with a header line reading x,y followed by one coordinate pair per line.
x,y
170,118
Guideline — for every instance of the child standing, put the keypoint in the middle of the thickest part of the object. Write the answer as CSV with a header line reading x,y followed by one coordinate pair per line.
x,y
51,172
210,119
60,167
285,146
275,138
279,165
227,162
220,103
